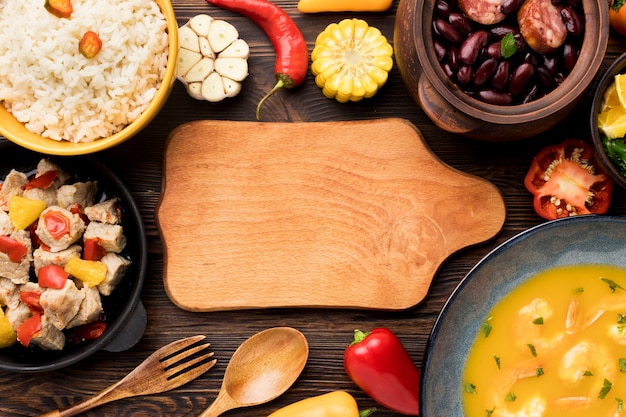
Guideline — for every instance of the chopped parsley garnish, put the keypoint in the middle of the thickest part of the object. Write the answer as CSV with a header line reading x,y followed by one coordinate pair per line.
x,y
488,413
621,323
533,351
539,371
620,405
508,46
497,359
510,397
538,320
612,284
622,364
587,373
606,387
486,327
470,388
579,290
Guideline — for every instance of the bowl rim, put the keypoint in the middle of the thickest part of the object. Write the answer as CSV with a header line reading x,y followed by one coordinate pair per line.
x,y
16,132
594,47
618,66
542,228
117,329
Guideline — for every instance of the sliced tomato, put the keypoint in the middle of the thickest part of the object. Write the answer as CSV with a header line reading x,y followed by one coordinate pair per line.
x,y
566,180
93,250
52,276
14,249
27,330
90,331
56,223
31,299
45,180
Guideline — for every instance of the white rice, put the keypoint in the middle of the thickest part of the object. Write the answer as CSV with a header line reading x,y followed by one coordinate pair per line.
x,y
58,93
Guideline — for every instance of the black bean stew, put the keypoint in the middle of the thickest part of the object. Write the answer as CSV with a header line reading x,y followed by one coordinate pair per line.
x,y
471,53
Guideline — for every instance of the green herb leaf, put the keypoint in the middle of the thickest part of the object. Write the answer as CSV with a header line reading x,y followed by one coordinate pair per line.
x,y
508,48
606,387
510,397
617,4
612,284
622,364
539,372
470,388
621,323
533,351
488,413
579,290
620,405
538,320
587,373
497,359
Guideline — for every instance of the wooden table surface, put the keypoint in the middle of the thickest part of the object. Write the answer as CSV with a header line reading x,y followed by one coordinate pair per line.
x,y
139,163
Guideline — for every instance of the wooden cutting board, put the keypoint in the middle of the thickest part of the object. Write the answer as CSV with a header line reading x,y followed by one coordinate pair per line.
x,y
356,214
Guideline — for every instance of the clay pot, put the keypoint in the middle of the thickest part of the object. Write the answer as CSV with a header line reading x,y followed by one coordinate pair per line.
x,y
455,111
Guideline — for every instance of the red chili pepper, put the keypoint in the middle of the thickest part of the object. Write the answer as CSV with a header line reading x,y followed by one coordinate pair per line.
x,y
93,250
52,276
56,223
292,54
378,363
45,180
15,250
566,180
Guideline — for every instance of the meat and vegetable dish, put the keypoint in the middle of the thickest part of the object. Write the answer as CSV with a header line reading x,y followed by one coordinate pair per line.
x,y
61,253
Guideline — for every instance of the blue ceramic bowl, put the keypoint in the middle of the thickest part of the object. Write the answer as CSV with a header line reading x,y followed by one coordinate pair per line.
x,y
576,240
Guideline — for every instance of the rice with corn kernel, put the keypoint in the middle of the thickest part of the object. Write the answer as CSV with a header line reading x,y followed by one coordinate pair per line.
x,y
48,85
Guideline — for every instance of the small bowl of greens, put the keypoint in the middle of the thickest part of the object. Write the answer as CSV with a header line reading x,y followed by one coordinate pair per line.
x,y
608,121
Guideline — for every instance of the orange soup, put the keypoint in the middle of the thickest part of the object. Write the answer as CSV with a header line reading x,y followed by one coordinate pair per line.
x,y
555,346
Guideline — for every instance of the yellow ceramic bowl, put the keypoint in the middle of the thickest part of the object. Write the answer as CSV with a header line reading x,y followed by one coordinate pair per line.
x,y
16,132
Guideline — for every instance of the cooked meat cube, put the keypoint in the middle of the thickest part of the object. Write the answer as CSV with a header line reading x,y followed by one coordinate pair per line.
x,y
49,337
42,257
18,272
61,305
46,165
111,236
82,193
9,294
47,195
17,315
6,227
116,268
105,212
90,309
12,185
65,237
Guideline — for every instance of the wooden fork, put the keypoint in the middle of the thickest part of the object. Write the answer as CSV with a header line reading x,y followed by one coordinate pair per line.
x,y
169,367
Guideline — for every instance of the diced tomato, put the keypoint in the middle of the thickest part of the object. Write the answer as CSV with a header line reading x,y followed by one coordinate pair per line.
x,y
93,250
52,276
566,180
56,223
90,331
14,249
45,180
31,299
27,330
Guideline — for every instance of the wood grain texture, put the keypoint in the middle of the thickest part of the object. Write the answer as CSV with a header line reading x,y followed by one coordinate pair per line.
x,y
331,214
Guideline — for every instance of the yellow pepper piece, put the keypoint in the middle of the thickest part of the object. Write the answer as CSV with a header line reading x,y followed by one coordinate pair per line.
x,y
351,60
332,404
91,273
318,6
24,211
8,336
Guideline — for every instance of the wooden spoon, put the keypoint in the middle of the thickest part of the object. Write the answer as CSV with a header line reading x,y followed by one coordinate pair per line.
x,y
261,369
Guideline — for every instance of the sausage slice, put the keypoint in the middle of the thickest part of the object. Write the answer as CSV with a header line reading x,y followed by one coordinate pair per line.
x,y
486,12
541,25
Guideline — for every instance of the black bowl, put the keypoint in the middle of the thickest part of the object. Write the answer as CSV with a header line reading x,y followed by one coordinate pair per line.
x,y
125,314
618,66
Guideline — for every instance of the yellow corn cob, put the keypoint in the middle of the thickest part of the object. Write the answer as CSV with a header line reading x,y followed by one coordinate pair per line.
x,y
351,60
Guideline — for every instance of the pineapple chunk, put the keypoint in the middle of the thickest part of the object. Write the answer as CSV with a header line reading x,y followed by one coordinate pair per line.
x,y
91,273
8,336
24,211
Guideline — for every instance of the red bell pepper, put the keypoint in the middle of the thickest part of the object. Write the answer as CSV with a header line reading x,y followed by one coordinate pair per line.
x,y
566,180
45,180
31,299
93,249
15,250
380,365
89,331
28,329
52,276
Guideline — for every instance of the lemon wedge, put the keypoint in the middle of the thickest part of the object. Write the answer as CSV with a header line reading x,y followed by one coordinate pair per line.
x,y
620,88
612,116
